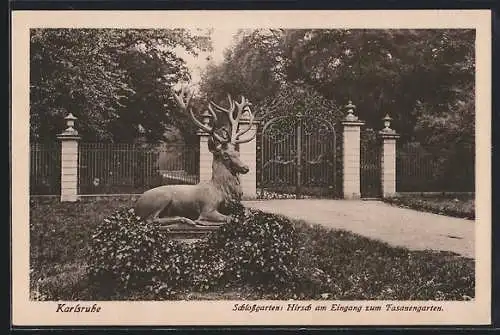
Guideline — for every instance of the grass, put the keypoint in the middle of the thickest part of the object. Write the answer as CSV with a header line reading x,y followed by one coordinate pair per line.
x,y
462,206
59,236
361,269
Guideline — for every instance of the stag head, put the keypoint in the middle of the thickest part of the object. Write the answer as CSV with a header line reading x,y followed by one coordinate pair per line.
x,y
223,141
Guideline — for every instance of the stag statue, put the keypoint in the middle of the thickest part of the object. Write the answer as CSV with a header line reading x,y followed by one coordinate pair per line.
x,y
199,204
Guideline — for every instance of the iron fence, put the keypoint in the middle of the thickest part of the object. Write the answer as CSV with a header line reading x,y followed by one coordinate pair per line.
x,y
110,168
434,169
45,168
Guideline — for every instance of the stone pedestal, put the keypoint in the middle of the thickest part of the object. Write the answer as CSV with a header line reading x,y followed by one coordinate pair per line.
x,y
186,232
351,154
69,165
388,163
248,155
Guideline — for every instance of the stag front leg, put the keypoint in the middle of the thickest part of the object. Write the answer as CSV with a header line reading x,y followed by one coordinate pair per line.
x,y
212,218
168,221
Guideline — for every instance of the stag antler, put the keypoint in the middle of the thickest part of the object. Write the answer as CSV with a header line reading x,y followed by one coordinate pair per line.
x,y
183,99
243,106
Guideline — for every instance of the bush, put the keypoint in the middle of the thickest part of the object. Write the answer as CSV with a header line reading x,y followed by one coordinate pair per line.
x,y
256,249
126,253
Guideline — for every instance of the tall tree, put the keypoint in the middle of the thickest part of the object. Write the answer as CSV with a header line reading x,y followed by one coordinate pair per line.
x,y
116,81
250,67
381,71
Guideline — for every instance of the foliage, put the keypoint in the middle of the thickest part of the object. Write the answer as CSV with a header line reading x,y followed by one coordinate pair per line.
x,y
451,128
255,249
126,252
249,68
329,264
457,206
380,70
116,81
423,78
384,71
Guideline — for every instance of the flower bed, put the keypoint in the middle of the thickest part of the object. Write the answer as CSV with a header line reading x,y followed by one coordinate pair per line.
x,y
268,195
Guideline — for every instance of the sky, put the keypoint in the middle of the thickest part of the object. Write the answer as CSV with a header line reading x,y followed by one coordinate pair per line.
x,y
221,39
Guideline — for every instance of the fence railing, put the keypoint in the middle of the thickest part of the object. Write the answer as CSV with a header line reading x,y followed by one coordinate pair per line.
x,y
127,168
433,169
110,168
45,168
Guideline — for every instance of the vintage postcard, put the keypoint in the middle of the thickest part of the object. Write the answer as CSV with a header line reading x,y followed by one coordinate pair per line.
x,y
251,168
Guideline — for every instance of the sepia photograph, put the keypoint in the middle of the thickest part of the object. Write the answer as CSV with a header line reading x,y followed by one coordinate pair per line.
x,y
285,169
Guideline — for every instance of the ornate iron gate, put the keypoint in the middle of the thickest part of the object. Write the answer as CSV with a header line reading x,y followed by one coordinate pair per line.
x,y
370,169
297,157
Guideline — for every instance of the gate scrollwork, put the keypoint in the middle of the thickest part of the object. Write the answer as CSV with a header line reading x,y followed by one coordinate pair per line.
x,y
298,156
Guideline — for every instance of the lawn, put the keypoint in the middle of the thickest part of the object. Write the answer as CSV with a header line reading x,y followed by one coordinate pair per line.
x,y
462,206
341,265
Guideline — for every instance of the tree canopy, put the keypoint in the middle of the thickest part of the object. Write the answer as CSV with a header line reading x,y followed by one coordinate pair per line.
x,y
116,81
424,79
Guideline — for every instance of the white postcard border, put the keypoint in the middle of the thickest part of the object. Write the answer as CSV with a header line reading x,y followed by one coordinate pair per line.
x,y
26,312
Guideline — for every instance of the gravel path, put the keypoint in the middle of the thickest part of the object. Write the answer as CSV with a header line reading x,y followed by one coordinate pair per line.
x,y
377,220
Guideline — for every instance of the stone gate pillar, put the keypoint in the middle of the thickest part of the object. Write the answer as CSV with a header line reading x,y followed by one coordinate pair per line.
x,y
351,154
206,156
389,137
69,160
248,155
